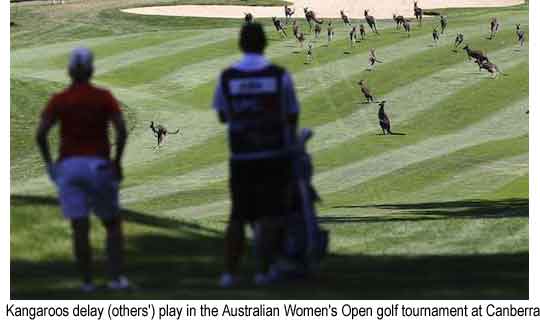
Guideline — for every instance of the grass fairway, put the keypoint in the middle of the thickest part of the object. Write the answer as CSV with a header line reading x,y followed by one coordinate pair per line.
x,y
440,213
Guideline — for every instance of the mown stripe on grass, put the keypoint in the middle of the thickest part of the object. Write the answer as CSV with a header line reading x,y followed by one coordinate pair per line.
x,y
400,185
477,183
507,123
503,124
404,102
155,66
414,182
352,93
129,43
106,66
462,108
360,122
285,52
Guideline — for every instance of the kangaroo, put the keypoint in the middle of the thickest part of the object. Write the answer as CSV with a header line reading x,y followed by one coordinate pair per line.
x,y
493,27
365,91
435,35
459,40
384,121
362,31
160,132
309,56
310,17
288,14
295,28
418,12
407,27
490,67
352,36
301,38
444,24
330,32
399,20
279,27
520,34
475,54
248,17
372,59
371,21
317,30
345,18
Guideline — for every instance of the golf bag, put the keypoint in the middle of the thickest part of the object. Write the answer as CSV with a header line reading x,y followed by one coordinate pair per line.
x,y
305,243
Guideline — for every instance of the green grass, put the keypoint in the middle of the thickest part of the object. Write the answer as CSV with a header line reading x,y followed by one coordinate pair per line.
x,y
439,213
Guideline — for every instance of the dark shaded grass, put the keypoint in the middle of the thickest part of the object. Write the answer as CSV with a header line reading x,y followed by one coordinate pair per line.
x,y
475,209
182,260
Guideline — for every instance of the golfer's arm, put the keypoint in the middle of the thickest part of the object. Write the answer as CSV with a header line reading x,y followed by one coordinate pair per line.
x,y
44,127
121,135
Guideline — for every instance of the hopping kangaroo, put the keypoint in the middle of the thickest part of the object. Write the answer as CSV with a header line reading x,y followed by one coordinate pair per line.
x,y
370,21
478,55
160,132
384,121
279,27
520,34
344,17
288,14
372,59
365,91
311,17
490,67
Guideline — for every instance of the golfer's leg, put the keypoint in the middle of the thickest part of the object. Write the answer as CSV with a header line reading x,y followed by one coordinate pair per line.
x,y
115,246
81,247
105,203
74,203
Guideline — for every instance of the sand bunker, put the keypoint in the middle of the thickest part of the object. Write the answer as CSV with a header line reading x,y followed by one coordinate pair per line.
x,y
382,9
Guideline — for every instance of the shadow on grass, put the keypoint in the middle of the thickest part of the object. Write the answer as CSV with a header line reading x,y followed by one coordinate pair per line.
x,y
129,215
507,208
184,262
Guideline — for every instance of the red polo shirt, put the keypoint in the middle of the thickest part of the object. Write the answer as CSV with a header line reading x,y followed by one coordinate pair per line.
x,y
84,112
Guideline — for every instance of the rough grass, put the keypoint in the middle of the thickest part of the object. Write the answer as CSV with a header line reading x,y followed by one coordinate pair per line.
x,y
439,213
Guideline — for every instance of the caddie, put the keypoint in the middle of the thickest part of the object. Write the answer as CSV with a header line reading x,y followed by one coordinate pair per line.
x,y
257,101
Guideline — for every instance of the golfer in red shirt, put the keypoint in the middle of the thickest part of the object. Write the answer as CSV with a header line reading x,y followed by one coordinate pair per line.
x,y
86,178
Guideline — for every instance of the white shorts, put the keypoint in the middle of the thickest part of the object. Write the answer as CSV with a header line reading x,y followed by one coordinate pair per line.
x,y
87,184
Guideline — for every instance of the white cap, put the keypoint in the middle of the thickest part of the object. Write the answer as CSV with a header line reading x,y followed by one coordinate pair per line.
x,y
81,57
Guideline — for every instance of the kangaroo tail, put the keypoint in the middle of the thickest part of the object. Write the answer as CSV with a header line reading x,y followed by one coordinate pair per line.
x,y
176,132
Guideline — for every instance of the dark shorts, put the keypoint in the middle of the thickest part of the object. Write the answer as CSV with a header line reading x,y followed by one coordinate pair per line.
x,y
260,188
